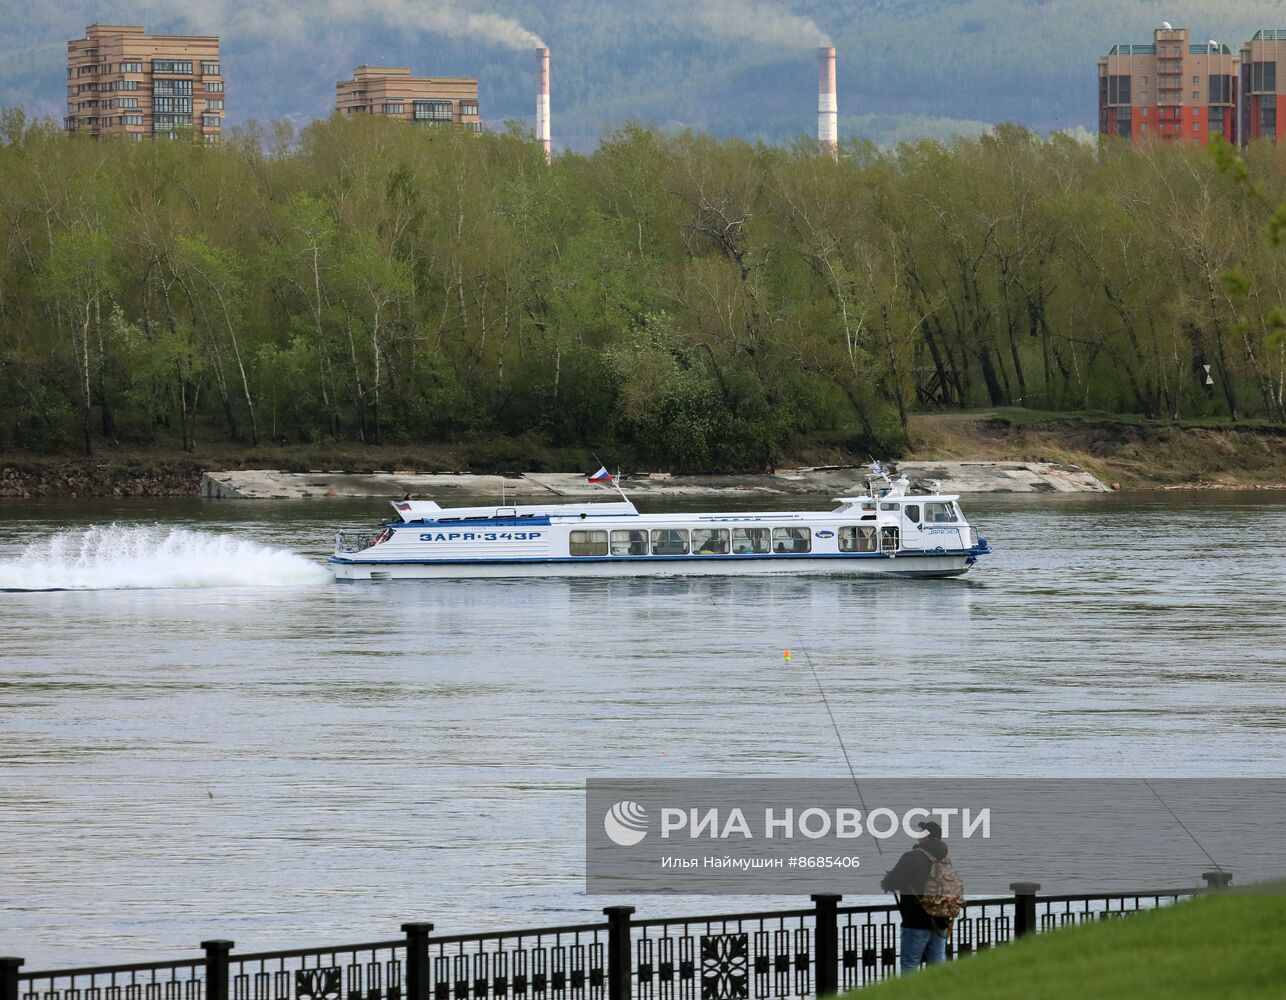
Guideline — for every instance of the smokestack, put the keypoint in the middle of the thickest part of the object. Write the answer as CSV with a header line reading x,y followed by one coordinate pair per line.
x,y
542,100
827,106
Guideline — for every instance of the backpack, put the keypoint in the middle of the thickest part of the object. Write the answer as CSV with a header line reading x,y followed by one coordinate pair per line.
x,y
943,894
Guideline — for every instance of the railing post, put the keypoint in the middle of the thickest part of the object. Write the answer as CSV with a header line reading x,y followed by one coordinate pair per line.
x,y
417,959
826,943
1024,907
1217,880
9,967
216,968
620,964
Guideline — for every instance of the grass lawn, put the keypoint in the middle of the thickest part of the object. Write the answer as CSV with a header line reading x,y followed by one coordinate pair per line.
x,y
1230,945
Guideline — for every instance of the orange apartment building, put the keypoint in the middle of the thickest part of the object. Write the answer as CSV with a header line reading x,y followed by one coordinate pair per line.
x,y
392,91
122,81
1172,90
1260,86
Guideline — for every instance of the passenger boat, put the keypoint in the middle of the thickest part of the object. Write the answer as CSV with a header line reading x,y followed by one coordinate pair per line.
x,y
891,530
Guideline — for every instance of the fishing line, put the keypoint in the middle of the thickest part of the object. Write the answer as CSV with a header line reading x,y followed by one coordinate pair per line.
x,y
861,799
1183,826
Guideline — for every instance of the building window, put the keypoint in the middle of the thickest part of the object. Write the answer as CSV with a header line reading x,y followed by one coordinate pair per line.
x,y
214,87
172,88
172,66
1118,90
167,123
1263,76
473,126
787,540
211,121
138,136
1221,89
172,105
468,109
588,543
210,69
212,138
131,67
125,102
394,108
629,543
432,111
214,105
1123,122
124,85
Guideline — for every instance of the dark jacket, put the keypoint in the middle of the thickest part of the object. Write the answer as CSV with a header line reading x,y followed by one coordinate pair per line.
x,y
907,879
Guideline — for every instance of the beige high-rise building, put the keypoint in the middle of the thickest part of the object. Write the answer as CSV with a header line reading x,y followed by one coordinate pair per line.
x,y
393,92
1173,90
123,81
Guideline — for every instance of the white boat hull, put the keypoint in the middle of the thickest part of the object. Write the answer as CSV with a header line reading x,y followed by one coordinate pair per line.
x,y
903,564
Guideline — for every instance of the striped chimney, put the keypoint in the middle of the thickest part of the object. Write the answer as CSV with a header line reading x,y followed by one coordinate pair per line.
x,y
827,107
542,100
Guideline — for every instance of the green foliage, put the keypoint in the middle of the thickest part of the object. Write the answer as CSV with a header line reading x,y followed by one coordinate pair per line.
x,y
676,301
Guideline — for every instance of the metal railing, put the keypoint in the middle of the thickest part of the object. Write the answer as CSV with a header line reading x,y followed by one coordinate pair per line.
x,y
814,951
354,541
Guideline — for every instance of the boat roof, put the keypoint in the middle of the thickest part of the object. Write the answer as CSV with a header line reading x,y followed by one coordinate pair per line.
x,y
428,510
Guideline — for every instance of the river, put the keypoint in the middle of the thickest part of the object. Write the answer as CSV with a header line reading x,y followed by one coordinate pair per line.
x,y
203,737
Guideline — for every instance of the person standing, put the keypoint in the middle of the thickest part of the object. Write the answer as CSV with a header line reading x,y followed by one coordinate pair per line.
x,y
924,936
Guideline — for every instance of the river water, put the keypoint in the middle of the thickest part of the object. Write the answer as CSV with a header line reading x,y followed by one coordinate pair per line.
x,y
201,736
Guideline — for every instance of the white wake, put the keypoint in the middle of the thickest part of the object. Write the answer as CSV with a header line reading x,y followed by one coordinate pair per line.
x,y
135,557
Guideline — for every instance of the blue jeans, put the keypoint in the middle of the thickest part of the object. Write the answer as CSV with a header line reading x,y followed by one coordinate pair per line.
x,y
921,946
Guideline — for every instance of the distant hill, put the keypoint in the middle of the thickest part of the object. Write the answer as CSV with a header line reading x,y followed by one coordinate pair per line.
x,y
907,68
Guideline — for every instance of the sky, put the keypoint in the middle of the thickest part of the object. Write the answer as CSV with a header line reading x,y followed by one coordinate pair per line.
x,y
907,68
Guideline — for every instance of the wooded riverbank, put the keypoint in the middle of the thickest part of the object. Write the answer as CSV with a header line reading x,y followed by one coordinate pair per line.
x,y
1136,454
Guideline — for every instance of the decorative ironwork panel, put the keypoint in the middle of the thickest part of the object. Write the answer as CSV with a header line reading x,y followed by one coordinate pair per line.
x,y
317,984
725,968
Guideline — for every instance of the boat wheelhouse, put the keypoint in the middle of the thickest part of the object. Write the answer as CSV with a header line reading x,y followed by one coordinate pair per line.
x,y
894,530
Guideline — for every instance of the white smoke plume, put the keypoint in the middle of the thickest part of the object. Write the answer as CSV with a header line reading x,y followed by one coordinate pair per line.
x,y
295,20
765,23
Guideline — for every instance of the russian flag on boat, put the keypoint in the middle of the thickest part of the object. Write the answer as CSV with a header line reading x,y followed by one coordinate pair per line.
x,y
601,476
402,506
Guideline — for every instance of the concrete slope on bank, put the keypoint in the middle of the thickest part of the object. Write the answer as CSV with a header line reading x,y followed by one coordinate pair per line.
x,y
953,477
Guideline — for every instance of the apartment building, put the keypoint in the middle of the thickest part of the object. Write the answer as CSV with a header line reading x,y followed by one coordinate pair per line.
x,y
1173,90
393,92
124,82
1260,86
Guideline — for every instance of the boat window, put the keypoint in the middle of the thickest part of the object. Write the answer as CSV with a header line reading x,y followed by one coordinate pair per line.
x,y
938,513
710,541
889,506
629,543
868,505
912,511
857,538
792,540
747,541
670,542
588,543
889,538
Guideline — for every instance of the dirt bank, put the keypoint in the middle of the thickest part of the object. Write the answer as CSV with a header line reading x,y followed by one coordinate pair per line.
x,y
1137,454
